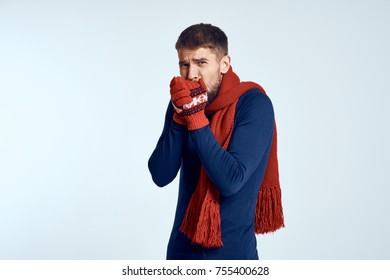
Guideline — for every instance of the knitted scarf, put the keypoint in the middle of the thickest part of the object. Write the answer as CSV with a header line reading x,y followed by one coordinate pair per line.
x,y
202,221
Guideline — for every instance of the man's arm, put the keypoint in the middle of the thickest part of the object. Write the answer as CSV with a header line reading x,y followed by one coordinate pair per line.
x,y
230,169
165,161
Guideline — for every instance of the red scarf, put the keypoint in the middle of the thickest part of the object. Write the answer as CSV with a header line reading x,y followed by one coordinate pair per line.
x,y
202,221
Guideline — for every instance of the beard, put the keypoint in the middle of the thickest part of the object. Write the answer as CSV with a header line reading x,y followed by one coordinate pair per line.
x,y
211,95
213,92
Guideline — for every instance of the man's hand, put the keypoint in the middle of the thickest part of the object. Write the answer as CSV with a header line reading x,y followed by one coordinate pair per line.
x,y
189,100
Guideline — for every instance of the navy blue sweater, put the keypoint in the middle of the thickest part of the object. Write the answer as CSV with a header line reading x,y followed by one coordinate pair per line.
x,y
236,172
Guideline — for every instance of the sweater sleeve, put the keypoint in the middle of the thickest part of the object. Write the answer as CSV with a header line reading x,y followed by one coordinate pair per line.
x,y
165,161
252,135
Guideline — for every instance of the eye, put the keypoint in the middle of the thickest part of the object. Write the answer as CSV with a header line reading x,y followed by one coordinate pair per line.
x,y
183,65
201,62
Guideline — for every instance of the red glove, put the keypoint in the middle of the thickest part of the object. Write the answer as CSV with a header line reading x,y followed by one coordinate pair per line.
x,y
189,100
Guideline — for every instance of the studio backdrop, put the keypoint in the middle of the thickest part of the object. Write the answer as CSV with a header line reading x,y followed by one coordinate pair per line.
x,y
84,86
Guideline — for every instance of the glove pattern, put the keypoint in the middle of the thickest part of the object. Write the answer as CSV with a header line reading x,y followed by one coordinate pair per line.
x,y
189,100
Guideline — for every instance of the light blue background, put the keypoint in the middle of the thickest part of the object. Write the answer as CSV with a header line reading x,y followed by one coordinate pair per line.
x,y
83,91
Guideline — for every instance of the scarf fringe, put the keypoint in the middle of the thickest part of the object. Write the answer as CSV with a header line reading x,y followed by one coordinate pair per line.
x,y
269,210
208,232
204,227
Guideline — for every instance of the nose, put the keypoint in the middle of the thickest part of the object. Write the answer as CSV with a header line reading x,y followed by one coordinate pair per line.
x,y
193,74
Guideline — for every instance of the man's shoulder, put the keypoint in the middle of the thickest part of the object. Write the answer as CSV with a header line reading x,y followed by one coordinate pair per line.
x,y
254,107
254,98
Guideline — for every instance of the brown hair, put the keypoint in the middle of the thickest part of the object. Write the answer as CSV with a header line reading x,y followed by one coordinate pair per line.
x,y
203,35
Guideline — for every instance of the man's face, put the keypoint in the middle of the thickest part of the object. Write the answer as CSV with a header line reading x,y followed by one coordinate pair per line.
x,y
203,63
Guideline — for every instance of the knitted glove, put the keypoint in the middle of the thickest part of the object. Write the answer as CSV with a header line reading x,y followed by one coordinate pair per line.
x,y
189,100
179,97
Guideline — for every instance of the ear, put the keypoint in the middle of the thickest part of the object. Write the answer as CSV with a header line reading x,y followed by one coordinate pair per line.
x,y
224,64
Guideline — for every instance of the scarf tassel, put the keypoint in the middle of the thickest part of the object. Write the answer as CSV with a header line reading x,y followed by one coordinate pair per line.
x,y
269,210
207,230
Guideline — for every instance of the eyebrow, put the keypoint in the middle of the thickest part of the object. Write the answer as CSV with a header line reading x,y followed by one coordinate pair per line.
x,y
194,59
199,59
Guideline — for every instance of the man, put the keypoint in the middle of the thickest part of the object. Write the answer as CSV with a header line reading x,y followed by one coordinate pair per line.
x,y
220,133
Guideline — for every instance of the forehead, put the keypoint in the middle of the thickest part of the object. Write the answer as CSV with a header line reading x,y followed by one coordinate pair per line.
x,y
198,53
